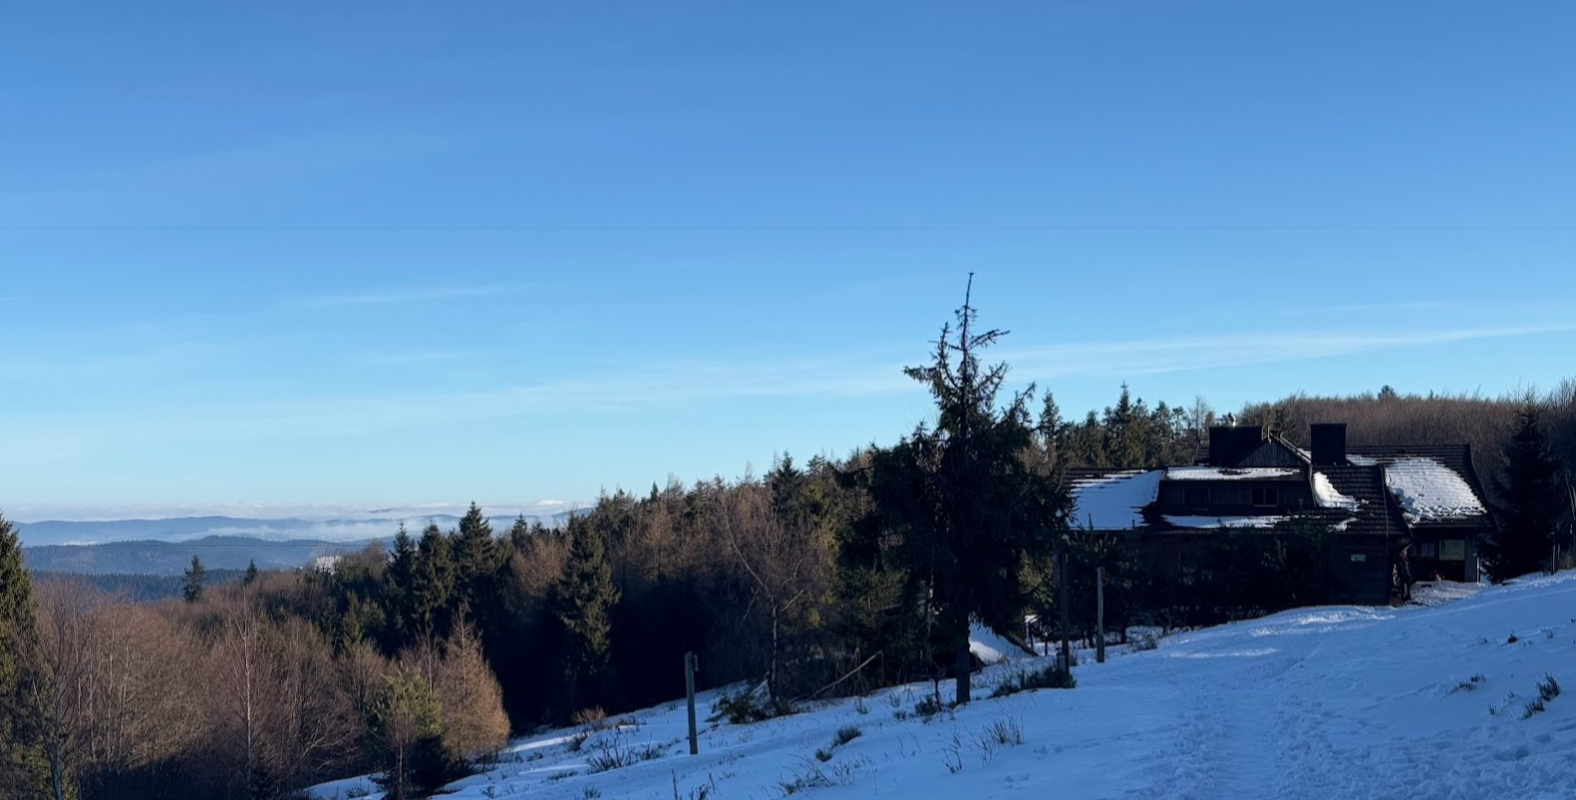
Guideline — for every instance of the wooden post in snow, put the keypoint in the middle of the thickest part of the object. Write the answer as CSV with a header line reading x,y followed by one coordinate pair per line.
x,y
1099,614
689,693
1064,658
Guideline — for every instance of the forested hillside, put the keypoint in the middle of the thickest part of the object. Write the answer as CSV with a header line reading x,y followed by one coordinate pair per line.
x,y
835,576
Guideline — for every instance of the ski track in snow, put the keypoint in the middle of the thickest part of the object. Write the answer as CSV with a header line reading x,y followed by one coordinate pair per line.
x,y
1311,704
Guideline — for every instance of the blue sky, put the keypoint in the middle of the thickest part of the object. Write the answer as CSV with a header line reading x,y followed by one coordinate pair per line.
x,y
397,252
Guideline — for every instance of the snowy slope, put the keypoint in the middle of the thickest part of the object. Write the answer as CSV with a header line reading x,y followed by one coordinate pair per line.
x,y
1334,702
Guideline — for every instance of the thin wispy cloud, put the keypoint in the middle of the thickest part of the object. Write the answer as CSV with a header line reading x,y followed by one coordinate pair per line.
x,y
420,358
408,296
1151,356
1370,308
655,385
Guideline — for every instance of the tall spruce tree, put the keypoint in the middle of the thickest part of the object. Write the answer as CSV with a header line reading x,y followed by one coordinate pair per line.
x,y
982,508
432,588
24,771
586,597
1532,500
477,561
520,533
401,581
195,577
251,573
1125,431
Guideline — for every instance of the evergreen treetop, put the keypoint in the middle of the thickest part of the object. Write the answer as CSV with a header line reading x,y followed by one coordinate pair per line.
x,y
1532,501
195,577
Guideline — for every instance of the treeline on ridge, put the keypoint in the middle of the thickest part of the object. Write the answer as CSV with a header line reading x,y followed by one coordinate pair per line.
x,y
418,659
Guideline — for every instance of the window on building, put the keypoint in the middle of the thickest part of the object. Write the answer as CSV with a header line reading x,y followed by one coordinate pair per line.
x,y
1266,497
1427,550
1198,498
1453,550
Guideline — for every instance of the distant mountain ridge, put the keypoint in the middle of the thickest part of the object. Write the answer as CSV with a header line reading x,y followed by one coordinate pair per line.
x,y
166,546
81,532
153,557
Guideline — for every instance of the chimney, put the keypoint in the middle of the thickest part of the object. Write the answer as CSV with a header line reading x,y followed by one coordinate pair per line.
x,y
1228,445
1329,443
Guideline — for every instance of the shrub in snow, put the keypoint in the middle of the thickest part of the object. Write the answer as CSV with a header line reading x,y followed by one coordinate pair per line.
x,y
1145,641
1007,731
1548,688
808,776
612,753
1532,709
952,754
747,706
701,792
846,734
593,717
1467,685
929,707
1048,678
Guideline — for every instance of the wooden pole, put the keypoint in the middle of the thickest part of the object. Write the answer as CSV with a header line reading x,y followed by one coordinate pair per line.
x,y
1065,658
1099,614
689,692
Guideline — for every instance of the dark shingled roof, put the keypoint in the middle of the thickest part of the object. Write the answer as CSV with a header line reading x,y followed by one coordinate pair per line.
x,y
1377,512
1456,457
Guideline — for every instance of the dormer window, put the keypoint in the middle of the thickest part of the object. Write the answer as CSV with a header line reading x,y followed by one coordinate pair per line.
x,y
1266,497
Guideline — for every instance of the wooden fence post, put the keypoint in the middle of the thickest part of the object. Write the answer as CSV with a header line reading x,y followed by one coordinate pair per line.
x,y
689,692
1099,614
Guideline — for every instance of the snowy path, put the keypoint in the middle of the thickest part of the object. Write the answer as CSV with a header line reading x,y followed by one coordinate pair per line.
x,y
1335,702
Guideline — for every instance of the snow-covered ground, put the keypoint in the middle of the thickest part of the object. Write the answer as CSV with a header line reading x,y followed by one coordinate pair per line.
x,y
1332,702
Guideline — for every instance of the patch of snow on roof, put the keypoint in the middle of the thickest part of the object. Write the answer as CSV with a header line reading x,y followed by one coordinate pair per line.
x,y
1226,522
1429,491
1361,461
1115,501
1328,496
1230,474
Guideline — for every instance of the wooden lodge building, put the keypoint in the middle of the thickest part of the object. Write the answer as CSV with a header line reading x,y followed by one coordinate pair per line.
x,y
1392,509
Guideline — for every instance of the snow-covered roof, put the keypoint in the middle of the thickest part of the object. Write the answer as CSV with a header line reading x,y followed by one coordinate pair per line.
x,y
1429,491
1231,474
1115,500
1268,521
1328,496
1361,461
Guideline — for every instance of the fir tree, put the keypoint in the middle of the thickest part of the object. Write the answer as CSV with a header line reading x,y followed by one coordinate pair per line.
x,y
477,560
1124,427
24,771
195,575
976,509
432,588
404,722
251,573
520,534
401,579
1531,502
586,598
1050,431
